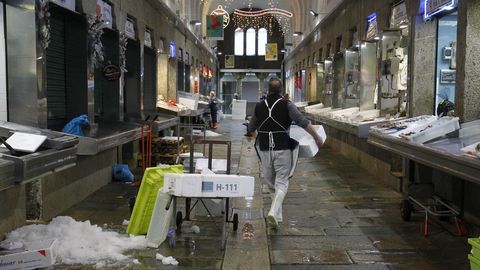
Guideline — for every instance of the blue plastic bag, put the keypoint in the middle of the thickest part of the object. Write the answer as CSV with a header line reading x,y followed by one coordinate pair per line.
x,y
76,125
122,173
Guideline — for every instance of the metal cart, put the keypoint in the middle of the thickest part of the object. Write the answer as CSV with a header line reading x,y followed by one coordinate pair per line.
x,y
421,199
226,200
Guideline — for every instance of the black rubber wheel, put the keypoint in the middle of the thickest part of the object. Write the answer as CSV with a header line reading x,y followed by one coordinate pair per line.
x,y
235,222
406,210
179,219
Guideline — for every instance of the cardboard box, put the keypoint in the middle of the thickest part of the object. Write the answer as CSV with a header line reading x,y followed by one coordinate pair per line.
x,y
208,186
307,148
38,254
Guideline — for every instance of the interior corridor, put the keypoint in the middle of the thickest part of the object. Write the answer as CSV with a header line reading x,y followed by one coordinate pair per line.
x,y
336,216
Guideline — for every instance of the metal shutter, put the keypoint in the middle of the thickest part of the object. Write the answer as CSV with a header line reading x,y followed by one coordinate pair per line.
x,y
56,90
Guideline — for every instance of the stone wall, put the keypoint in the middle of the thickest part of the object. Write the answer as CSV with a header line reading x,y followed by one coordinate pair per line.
x,y
12,209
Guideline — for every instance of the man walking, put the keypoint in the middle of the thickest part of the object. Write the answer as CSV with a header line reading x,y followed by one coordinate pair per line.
x,y
272,120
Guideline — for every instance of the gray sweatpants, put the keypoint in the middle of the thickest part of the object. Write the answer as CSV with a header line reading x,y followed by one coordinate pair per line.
x,y
276,167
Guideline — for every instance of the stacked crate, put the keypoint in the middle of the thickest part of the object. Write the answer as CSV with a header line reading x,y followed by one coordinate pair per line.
x,y
165,150
474,256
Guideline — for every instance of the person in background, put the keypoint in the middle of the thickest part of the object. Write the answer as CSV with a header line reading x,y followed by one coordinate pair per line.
x,y
286,96
212,103
271,120
236,96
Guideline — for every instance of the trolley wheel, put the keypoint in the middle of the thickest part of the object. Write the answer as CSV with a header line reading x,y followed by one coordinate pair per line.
x,y
235,222
179,219
406,210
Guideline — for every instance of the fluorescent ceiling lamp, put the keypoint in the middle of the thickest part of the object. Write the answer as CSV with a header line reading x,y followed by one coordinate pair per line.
x,y
313,13
195,22
296,34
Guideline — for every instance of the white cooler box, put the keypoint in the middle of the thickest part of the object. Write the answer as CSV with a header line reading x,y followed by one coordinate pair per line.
x,y
208,186
307,148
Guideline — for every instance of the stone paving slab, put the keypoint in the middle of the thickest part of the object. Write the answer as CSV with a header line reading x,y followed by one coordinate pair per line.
x,y
292,257
333,267
320,242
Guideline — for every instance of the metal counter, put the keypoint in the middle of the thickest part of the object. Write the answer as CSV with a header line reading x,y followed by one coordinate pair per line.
x,y
442,154
108,134
361,129
7,173
56,153
55,140
30,166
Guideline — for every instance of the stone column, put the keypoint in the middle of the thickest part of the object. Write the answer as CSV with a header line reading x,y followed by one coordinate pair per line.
x,y
422,59
261,89
239,77
467,98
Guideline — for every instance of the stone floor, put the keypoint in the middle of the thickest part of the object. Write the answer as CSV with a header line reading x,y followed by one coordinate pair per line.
x,y
336,216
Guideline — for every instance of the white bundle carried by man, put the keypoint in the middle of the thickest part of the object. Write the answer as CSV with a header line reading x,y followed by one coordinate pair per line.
x,y
307,146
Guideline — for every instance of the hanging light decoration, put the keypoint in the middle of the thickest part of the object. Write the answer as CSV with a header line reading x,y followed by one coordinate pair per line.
x,y
263,18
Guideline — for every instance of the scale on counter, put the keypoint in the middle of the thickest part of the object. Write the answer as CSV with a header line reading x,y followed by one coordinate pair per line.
x,y
25,142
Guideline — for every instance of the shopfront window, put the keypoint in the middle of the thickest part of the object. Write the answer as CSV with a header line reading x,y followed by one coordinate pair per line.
x,y
251,42
262,41
239,40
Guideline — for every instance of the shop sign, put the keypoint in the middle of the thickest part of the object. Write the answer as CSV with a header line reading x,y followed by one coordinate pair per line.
x,y
271,52
104,11
148,38
130,28
172,49
229,61
372,27
214,27
111,72
68,4
433,7
399,15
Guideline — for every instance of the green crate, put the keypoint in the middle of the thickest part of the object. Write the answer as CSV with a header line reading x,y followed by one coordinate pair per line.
x,y
474,262
147,195
475,242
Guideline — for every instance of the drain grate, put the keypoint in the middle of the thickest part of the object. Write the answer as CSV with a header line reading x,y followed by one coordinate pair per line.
x,y
249,214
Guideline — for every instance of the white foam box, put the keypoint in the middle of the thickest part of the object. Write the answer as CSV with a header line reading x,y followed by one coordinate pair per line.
x,y
208,186
307,146
218,165
35,255
191,104
434,130
160,221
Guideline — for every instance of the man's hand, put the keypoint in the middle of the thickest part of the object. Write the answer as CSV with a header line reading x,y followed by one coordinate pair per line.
x,y
319,142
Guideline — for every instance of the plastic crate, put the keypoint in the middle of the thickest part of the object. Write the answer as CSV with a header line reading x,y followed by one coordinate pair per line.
x,y
474,262
152,181
475,242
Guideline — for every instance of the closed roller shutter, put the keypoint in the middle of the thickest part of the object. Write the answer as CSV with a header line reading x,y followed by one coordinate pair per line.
x,y
56,90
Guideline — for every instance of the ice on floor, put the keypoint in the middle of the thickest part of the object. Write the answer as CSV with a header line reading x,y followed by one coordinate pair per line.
x,y
166,260
80,242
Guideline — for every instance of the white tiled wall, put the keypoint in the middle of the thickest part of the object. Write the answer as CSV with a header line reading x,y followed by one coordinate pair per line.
x,y
3,74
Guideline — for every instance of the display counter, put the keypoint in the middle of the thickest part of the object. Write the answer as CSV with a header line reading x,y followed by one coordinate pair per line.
x,y
444,153
56,153
349,120
106,135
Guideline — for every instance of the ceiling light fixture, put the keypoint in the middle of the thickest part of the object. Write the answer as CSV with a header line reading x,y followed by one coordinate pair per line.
x,y
195,22
297,34
313,13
